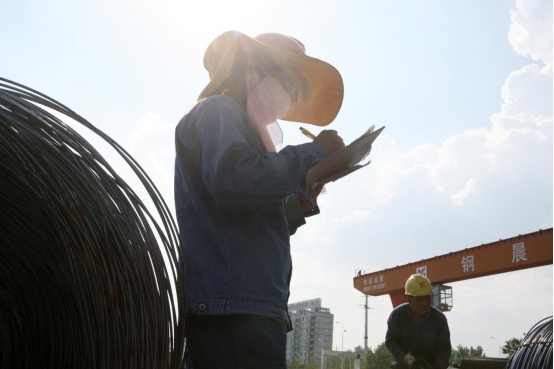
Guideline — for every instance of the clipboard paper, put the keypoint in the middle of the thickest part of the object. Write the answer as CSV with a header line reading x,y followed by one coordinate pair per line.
x,y
345,161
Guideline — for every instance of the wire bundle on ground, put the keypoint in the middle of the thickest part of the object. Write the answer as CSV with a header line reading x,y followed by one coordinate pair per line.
x,y
83,282
535,351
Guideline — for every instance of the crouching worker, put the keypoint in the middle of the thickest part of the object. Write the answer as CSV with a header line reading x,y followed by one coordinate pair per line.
x,y
418,330
239,196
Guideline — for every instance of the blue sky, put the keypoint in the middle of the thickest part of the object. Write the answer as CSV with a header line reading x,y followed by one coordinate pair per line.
x,y
463,88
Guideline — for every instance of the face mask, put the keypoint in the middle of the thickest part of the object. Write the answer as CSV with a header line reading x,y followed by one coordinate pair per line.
x,y
266,103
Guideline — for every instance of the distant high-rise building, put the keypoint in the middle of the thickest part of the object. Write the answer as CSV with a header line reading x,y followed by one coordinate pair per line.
x,y
312,331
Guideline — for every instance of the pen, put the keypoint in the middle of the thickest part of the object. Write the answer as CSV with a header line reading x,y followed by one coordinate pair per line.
x,y
307,133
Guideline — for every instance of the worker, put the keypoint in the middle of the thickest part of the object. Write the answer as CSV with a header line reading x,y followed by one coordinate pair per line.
x,y
417,330
239,196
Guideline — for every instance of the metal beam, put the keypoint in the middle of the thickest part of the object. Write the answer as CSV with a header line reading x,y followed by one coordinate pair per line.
x,y
516,253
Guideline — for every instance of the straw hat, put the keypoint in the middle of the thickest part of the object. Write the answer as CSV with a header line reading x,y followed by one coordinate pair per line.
x,y
320,87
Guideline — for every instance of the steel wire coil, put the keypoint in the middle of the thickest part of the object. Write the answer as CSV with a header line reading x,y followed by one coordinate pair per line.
x,y
83,281
535,350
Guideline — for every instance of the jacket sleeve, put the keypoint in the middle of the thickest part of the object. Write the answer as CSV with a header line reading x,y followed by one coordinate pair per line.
x,y
392,339
237,174
293,213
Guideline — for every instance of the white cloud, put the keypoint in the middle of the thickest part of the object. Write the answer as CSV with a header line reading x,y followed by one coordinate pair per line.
x,y
527,91
355,216
461,195
386,166
518,140
531,29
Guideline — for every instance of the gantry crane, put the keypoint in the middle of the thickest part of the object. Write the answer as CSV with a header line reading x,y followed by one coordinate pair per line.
x,y
521,252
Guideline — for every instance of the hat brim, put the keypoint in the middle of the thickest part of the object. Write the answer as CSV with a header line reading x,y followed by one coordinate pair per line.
x,y
320,85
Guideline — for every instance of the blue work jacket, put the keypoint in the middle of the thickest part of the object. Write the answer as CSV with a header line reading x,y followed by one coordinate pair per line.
x,y
431,340
229,198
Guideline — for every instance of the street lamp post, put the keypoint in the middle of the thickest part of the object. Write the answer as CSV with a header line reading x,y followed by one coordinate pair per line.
x,y
321,352
498,345
342,347
321,340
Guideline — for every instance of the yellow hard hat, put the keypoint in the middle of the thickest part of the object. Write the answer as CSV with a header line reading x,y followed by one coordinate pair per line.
x,y
418,285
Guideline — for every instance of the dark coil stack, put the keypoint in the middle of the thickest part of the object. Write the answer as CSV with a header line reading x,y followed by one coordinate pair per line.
x,y
535,351
83,281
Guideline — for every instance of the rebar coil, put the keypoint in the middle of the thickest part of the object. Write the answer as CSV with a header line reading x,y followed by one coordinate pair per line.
x,y
535,351
83,281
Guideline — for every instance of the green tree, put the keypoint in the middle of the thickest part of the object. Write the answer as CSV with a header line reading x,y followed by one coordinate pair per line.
x,y
333,362
380,358
298,364
463,352
359,350
511,346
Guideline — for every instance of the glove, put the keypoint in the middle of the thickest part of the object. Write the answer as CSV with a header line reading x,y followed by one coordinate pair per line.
x,y
409,359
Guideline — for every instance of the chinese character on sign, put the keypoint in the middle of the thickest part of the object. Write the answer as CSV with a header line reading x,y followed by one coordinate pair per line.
x,y
518,252
370,281
381,279
375,280
365,282
467,263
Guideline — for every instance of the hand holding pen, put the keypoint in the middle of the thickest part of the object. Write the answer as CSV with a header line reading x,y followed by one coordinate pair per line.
x,y
328,139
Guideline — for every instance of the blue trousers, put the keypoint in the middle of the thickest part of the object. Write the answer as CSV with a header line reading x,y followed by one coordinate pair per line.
x,y
235,342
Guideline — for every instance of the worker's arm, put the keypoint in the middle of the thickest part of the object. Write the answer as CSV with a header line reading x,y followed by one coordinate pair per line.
x,y
444,348
393,339
237,175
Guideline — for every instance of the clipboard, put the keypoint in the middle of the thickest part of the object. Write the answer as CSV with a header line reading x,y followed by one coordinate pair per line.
x,y
345,161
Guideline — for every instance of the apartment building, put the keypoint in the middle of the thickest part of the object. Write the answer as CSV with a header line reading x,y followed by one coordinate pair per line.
x,y
312,331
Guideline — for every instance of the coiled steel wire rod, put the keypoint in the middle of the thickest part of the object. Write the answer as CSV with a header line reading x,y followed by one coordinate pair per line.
x,y
535,351
83,281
